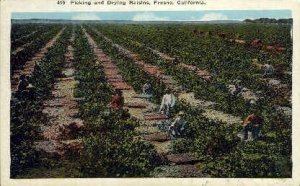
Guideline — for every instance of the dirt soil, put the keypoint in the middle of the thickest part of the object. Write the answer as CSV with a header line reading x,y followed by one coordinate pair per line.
x,y
174,85
150,129
60,135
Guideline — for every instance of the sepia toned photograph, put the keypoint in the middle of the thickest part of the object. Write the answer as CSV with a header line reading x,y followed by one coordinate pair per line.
x,y
154,94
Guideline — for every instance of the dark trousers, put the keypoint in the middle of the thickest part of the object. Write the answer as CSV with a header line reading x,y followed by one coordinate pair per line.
x,y
253,129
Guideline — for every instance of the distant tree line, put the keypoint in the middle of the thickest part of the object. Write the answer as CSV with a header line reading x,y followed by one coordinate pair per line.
x,y
268,20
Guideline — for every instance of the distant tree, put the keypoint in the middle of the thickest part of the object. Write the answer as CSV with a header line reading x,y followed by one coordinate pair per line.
x,y
268,20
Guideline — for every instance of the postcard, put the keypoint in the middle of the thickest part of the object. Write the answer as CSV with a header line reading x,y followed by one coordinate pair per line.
x,y
143,92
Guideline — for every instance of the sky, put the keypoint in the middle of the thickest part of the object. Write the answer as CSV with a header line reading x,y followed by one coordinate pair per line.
x,y
158,15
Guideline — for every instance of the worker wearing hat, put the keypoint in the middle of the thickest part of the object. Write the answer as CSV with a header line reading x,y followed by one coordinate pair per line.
x,y
31,92
178,125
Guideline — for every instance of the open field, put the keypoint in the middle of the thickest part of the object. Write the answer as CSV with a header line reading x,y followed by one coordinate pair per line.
x,y
63,127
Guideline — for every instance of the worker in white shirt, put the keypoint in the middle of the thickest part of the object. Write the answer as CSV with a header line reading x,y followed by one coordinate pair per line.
x,y
168,101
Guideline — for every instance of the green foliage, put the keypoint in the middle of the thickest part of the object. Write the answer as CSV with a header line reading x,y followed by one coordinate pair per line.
x,y
111,148
213,141
26,112
130,71
251,160
35,42
113,151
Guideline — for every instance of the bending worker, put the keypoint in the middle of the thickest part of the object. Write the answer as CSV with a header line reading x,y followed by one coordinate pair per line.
x,y
117,101
268,70
168,101
252,123
177,126
147,89
23,83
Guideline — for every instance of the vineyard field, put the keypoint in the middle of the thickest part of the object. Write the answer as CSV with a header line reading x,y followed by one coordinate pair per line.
x,y
80,109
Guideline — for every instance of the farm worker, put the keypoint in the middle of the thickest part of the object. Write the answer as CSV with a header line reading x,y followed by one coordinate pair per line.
x,y
23,83
252,123
37,68
236,89
268,70
176,60
168,101
30,90
178,125
117,101
147,89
